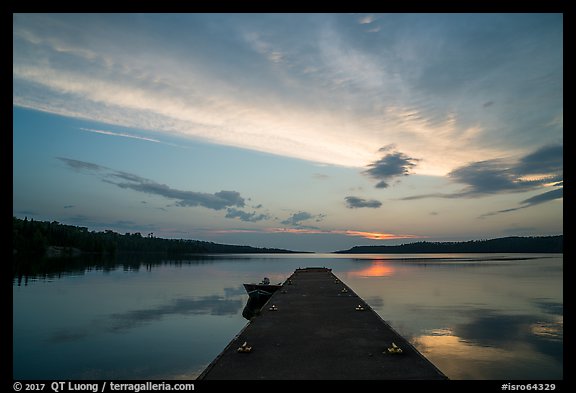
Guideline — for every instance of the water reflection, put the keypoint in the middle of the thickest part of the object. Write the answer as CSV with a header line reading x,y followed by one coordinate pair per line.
x,y
494,346
209,305
378,268
484,317
121,322
26,268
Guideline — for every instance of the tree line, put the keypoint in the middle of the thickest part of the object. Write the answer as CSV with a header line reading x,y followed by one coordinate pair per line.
x,y
30,237
512,244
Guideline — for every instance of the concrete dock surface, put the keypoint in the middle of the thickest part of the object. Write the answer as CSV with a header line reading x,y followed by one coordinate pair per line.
x,y
317,328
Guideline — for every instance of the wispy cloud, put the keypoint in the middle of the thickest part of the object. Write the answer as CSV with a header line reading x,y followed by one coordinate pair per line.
x,y
353,202
535,200
392,165
121,134
127,135
216,201
248,84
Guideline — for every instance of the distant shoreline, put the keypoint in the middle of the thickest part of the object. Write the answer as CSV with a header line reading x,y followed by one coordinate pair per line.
x,y
512,244
53,239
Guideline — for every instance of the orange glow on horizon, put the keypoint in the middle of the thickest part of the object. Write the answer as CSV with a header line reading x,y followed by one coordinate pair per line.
x,y
317,231
366,235
378,235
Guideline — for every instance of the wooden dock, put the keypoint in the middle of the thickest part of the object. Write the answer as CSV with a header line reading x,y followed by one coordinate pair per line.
x,y
316,327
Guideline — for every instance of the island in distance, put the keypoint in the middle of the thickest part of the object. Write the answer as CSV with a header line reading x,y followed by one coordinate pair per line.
x,y
512,244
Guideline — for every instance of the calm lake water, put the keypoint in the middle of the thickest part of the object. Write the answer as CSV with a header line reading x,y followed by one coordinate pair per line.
x,y
475,316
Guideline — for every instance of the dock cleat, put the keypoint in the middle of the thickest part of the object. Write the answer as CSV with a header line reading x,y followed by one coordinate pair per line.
x,y
344,290
394,349
360,307
273,308
244,348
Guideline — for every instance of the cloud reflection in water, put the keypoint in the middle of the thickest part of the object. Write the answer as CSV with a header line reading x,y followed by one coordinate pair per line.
x,y
120,322
494,344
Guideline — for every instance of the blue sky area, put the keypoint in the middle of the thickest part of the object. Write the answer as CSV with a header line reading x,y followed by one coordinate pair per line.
x,y
311,132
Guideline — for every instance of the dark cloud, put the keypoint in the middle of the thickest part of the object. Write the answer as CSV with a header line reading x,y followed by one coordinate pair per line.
x,y
487,177
245,216
217,201
545,197
297,218
535,200
390,166
353,202
81,165
546,160
530,172
538,170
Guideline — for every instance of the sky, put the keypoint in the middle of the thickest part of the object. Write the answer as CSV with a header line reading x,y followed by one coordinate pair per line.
x,y
308,132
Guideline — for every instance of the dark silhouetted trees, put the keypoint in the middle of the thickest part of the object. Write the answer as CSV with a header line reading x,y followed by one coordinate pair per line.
x,y
513,244
31,237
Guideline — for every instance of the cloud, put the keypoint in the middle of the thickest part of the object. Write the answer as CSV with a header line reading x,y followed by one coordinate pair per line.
x,y
390,166
244,216
81,165
247,83
121,134
366,19
535,200
546,160
297,218
543,166
355,202
545,197
126,135
217,201
540,169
